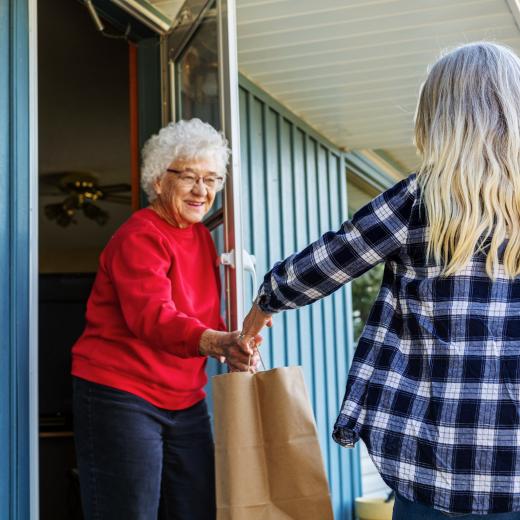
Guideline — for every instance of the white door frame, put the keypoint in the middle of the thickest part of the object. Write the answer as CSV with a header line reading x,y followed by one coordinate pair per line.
x,y
34,427
229,110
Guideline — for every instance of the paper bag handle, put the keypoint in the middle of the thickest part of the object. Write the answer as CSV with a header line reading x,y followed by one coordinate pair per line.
x,y
261,360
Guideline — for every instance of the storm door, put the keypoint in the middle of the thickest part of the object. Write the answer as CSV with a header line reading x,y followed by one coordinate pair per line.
x,y
200,79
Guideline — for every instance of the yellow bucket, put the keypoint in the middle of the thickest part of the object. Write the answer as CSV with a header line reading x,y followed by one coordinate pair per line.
x,y
374,508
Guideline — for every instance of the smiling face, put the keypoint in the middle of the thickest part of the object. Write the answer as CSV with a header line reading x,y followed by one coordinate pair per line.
x,y
181,204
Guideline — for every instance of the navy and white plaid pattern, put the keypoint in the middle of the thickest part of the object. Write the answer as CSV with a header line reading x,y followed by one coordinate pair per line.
x,y
434,388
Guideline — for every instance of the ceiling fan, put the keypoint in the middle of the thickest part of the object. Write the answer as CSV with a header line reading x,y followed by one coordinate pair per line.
x,y
83,192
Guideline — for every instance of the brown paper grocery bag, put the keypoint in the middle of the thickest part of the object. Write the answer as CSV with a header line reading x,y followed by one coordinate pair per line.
x,y
268,459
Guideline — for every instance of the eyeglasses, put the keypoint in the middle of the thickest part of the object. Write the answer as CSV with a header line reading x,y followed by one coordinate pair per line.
x,y
188,179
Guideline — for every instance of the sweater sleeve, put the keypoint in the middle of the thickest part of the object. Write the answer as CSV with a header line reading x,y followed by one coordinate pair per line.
x,y
375,233
138,266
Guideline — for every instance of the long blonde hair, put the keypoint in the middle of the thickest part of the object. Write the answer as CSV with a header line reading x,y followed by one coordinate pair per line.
x,y
467,131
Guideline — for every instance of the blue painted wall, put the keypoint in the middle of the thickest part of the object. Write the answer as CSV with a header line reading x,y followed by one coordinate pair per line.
x,y
294,189
14,261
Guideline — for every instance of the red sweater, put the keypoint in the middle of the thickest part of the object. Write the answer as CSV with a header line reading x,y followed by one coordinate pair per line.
x,y
157,290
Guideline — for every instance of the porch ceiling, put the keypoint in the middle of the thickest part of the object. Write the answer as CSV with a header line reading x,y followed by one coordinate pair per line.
x,y
352,68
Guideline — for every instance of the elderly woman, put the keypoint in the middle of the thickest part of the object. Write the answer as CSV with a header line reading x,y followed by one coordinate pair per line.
x,y
142,430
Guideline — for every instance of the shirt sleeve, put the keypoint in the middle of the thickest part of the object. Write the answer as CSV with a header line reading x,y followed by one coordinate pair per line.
x,y
376,232
138,266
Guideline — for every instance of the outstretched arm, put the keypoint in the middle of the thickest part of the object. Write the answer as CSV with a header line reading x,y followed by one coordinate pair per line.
x,y
375,233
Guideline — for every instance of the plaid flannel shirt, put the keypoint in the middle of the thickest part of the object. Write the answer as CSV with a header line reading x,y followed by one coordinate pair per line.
x,y
434,386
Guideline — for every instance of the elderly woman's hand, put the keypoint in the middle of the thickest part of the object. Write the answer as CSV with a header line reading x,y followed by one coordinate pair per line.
x,y
224,347
254,322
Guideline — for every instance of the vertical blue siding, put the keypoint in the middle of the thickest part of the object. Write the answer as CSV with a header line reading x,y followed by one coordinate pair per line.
x,y
294,189
14,260
5,377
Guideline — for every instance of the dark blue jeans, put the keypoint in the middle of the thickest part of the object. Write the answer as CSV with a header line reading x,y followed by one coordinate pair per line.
x,y
140,462
406,510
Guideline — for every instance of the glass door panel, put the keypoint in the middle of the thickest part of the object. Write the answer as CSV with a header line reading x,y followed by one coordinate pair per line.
x,y
201,80
196,77
196,74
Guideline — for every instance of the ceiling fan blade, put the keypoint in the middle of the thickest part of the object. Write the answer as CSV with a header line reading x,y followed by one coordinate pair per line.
x,y
113,188
50,179
118,199
49,192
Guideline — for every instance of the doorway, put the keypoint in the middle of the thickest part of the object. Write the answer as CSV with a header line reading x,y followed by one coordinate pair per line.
x,y
84,196
89,144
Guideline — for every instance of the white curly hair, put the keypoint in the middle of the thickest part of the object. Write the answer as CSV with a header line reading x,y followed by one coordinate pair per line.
x,y
192,139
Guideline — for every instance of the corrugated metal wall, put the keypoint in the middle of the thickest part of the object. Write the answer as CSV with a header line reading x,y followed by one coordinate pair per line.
x,y
294,189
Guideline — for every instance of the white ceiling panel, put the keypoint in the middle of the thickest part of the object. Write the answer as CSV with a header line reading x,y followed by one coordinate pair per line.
x,y
352,69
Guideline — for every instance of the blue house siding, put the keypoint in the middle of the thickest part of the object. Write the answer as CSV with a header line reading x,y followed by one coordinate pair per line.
x,y
294,189
5,343
15,384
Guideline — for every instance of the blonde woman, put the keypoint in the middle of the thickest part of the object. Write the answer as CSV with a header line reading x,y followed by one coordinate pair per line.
x,y
434,388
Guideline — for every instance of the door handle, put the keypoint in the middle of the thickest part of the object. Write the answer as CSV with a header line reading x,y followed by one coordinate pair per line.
x,y
249,262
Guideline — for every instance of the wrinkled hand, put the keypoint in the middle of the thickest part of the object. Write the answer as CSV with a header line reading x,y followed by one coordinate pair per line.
x,y
254,322
224,347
